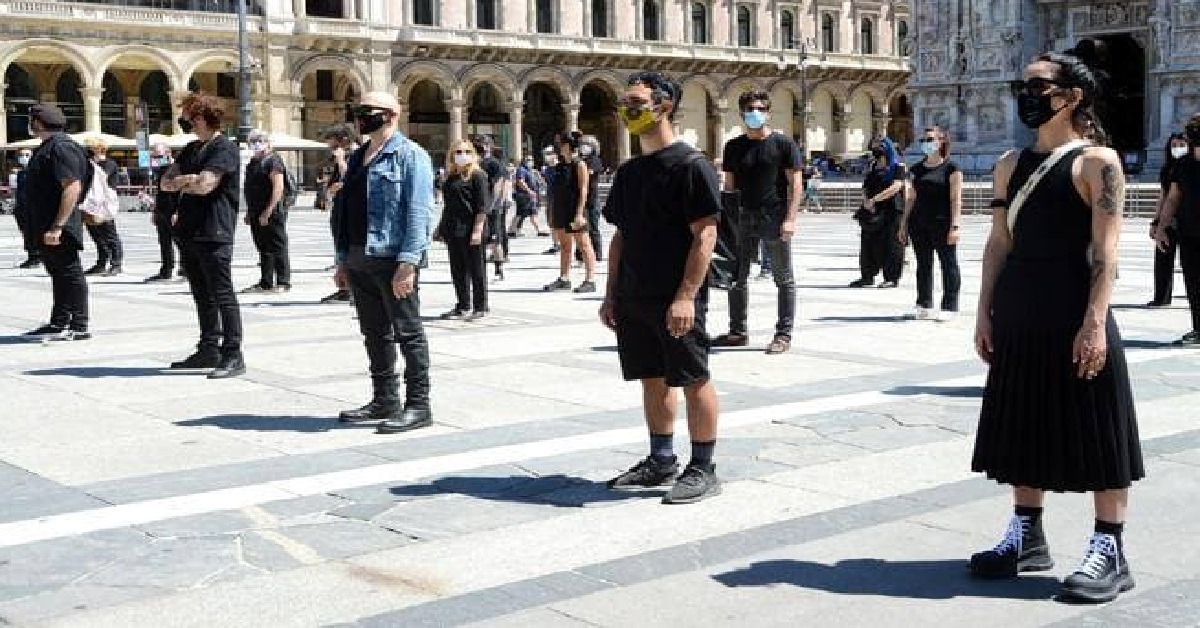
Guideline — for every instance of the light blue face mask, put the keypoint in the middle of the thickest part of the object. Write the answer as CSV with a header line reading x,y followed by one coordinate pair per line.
x,y
929,148
755,119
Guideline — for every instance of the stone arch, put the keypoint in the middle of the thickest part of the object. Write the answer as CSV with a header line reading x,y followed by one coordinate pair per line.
x,y
196,61
162,60
607,78
789,85
337,63
878,96
554,77
734,87
406,76
489,72
705,81
75,55
834,87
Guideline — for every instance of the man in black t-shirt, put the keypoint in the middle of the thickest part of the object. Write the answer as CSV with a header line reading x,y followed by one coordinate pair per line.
x,y
163,215
58,178
207,179
764,167
266,214
1182,207
665,205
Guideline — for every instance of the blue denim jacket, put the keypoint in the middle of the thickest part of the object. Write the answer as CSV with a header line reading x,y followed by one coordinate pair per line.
x,y
399,201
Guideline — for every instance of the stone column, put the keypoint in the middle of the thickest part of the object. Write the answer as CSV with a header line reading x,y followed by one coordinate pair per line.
x,y
298,9
624,142
3,107
572,111
457,110
402,117
91,108
516,150
177,97
131,104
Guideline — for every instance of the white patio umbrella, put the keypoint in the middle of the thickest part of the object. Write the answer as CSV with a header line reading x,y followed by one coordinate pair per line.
x,y
32,142
283,141
109,140
172,141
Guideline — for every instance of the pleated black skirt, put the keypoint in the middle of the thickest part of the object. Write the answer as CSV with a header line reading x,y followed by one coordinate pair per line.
x,y
1041,426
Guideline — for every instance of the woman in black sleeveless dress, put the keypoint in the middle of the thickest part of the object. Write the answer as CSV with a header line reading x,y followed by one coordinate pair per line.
x,y
1058,411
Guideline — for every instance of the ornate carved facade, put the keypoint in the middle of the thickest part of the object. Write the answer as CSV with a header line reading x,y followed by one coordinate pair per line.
x,y
966,52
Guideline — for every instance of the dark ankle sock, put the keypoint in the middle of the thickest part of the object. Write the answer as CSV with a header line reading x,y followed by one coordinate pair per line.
x,y
1034,514
702,453
1114,529
662,447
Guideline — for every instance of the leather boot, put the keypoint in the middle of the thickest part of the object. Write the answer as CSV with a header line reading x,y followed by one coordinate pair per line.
x,y
384,402
410,417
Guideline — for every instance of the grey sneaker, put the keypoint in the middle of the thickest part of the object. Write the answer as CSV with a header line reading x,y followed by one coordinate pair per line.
x,y
647,473
557,285
695,484
587,286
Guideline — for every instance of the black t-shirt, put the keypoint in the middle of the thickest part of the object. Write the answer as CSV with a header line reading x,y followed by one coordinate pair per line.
x,y
759,169
465,199
566,188
494,170
354,204
878,180
164,202
594,166
1187,176
56,160
213,216
653,202
258,186
932,186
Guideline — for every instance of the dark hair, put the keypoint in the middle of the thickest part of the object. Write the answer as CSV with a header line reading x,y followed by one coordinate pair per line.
x,y
1074,72
572,139
663,88
1170,161
943,137
204,106
752,95
1192,129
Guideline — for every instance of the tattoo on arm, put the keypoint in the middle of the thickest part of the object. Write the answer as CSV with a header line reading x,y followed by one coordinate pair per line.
x,y
1109,190
1101,270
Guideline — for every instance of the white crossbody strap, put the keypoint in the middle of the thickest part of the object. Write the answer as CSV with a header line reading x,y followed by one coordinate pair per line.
x,y
1014,205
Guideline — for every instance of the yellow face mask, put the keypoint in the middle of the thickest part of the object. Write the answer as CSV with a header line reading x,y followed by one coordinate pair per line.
x,y
639,120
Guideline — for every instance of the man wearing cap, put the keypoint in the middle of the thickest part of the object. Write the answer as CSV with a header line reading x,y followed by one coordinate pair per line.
x,y
382,238
58,178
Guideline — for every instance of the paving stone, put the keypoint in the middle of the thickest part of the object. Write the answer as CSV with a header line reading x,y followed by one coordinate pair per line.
x,y
343,539
455,515
48,565
894,437
26,495
301,506
207,525
70,599
170,563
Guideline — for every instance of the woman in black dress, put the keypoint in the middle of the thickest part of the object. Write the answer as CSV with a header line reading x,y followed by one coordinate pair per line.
x,y
572,192
1058,412
1164,256
879,218
932,219
464,215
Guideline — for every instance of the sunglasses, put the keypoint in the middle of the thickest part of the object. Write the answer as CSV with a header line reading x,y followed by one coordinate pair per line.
x,y
1035,86
464,152
927,140
758,108
360,111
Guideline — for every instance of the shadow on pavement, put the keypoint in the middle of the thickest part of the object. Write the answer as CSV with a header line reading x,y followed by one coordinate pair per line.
x,y
940,391
278,423
553,490
862,319
927,580
19,340
1148,344
96,372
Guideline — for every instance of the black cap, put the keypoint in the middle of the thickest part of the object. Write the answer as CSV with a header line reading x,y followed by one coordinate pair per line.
x,y
49,115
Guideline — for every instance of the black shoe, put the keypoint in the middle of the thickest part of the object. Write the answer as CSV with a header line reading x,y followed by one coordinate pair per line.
x,y
551,251
45,330
861,283
731,340
113,272
457,314
198,360
888,284
558,285
1023,548
32,262
229,366
696,483
1190,339
585,287
257,288
341,296
98,269
68,335
647,473
1158,304
160,277
477,315
376,410
411,417
1102,576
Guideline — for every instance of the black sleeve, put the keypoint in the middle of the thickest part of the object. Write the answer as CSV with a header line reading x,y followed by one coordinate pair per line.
x,y
110,172
221,160
704,192
70,164
274,164
480,193
952,168
1177,173
789,152
730,155
613,211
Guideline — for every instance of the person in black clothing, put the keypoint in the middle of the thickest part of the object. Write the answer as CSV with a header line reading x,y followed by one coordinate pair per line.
x,y
206,176
666,205
267,214
464,216
496,232
1176,150
933,220
341,141
879,218
57,180
109,252
589,152
764,167
31,240
1182,208
568,217
1058,410
163,215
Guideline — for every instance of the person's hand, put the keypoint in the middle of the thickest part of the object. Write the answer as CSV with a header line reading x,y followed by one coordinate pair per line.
x,y
339,153
1153,231
248,220
902,233
174,219
952,237
264,220
1090,351
608,313
681,317
52,237
476,238
1162,238
404,281
580,221
341,278
787,229
983,338
869,204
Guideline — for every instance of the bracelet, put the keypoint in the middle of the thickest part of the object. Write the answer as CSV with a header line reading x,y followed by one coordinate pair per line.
x,y
954,227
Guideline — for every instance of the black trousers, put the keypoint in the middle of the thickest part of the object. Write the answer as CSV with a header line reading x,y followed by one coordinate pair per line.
x,y
593,217
207,265
779,251
467,265
166,243
1164,268
880,250
32,241
386,321
70,288
1189,259
926,242
272,243
108,243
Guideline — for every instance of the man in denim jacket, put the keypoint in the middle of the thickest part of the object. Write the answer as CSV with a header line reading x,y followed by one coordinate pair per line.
x,y
381,227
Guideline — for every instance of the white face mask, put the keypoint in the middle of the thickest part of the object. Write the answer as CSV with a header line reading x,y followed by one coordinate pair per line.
x,y
258,147
461,160
1179,152
585,150
23,160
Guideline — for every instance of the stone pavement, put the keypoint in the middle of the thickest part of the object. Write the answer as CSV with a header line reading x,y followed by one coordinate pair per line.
x,y
134,496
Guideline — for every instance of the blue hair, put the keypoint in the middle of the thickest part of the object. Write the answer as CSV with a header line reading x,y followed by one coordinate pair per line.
x,y
893,158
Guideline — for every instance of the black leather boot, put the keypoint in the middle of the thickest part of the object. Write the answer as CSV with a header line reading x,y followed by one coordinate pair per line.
x,y
384,402
410,417
230,365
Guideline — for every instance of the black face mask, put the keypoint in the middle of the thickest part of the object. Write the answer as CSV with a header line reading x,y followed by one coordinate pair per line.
x,y
1035,110
185,125
369,123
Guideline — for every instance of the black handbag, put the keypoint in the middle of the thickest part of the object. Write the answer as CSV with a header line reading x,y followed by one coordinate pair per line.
x,y
870,220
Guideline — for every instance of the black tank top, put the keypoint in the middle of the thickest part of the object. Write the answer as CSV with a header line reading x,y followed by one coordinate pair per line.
x,y
1055,222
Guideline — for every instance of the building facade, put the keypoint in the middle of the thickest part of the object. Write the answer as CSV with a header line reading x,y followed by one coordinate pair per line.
x,y
967,51
519,70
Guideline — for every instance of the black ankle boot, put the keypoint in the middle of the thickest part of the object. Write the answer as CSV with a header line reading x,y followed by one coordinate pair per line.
x,y
385,401
1102,576
1023,548
412,416
231,365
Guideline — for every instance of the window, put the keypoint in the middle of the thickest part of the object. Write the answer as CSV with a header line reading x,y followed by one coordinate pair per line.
x,y
423,13
545,16
324,8
485,14
827,39
743,25
324,84
787,31
699,23
902,38
867,39
650,20
227,86
599,18
213,6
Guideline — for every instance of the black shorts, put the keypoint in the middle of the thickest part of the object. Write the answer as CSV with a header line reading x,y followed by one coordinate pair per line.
x,y
648,351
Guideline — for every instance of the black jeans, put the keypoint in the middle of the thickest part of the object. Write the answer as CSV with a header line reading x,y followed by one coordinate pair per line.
x,y
926,242
467,272
593,217
1164,268
779,251
208,274
166,243
1189,259
386,321
70,288
880,250
272,243
108,243
31,241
